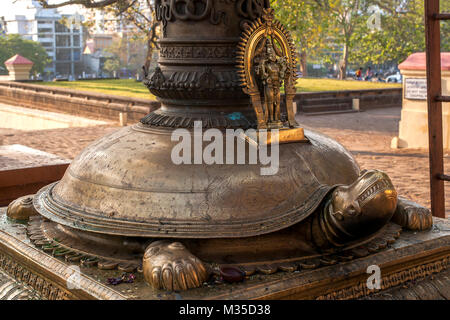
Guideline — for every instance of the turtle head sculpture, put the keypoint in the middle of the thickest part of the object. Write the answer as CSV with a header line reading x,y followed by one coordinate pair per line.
x,y
367,204
357,210
124,203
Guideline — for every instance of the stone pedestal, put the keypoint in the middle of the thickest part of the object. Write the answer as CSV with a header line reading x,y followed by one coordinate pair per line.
x,y
24,171
413,127
412,258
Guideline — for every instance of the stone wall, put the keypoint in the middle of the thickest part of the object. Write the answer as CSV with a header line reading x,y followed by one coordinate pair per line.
x,y
109,107
79,103
317,102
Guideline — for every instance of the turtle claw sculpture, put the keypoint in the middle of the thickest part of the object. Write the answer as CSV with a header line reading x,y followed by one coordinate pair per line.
x,y
170,266
21,208
412,216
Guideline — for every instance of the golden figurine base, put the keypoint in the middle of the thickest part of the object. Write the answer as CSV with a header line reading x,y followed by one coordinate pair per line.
x,y
413,257
268,137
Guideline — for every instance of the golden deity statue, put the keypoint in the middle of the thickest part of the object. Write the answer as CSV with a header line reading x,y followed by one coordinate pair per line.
x,y
270,69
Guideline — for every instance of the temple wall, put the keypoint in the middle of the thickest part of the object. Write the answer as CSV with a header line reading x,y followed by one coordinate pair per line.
x,y
345,100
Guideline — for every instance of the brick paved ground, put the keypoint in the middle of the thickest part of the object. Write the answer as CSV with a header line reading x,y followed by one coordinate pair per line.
x,y
367,135
66,143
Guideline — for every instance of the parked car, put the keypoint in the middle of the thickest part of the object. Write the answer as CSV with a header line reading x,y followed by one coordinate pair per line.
x,y
394,78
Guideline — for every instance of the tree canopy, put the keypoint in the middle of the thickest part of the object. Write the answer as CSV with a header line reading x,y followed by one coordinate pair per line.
x,y
344,32
361,32
126,53
13,44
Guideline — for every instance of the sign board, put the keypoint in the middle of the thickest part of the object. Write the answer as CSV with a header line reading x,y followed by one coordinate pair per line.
x,y
416,89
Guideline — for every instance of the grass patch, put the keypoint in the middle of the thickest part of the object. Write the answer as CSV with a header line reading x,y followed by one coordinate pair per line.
x,y
120,87
132,88
314,85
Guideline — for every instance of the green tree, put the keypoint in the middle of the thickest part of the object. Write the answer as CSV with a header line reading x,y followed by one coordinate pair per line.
x,y
445,28
345,18
13,44
401,32
322,24
140,14
308,24
127,52
111,65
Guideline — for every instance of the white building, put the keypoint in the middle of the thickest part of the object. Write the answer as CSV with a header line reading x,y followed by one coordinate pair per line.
x,y
64,44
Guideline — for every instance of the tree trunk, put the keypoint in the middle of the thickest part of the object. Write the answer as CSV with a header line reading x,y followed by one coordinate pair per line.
x,y
343,66
303,64
148,58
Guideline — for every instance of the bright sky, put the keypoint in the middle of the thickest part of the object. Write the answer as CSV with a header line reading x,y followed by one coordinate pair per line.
x,y
12,6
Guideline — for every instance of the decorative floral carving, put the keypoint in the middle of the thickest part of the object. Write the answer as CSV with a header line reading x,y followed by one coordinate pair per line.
x,y
156,79
41,286
250,10
194,84
194,10
195,52
391,280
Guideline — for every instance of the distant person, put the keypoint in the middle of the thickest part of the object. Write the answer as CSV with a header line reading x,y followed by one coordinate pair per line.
x,y
369,74
358,74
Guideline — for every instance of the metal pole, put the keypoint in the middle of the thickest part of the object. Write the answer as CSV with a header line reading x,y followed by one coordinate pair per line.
x,y
433,54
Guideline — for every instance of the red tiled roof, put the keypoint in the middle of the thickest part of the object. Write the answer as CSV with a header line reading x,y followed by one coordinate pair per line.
x,y
18,59
417,61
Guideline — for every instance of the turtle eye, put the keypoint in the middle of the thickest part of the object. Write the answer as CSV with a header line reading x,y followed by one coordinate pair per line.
x,y
353,209
338,215
362,172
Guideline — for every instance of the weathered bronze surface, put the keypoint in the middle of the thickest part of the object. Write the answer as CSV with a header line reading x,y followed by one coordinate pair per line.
x,y
411,216
124,203
169,265
127,184
196,78
352,212
22,208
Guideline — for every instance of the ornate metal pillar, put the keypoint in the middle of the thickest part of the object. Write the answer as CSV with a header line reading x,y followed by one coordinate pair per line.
x,y
197,76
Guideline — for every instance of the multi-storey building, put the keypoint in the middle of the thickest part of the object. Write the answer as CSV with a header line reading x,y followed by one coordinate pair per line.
x,y
63,41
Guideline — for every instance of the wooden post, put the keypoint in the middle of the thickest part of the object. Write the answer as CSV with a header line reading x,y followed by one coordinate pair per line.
x,y
433,54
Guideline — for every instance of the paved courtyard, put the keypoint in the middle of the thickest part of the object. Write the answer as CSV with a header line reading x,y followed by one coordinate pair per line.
x,y
366,134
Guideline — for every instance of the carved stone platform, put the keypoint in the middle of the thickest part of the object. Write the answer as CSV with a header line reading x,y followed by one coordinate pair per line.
x,y
30,273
